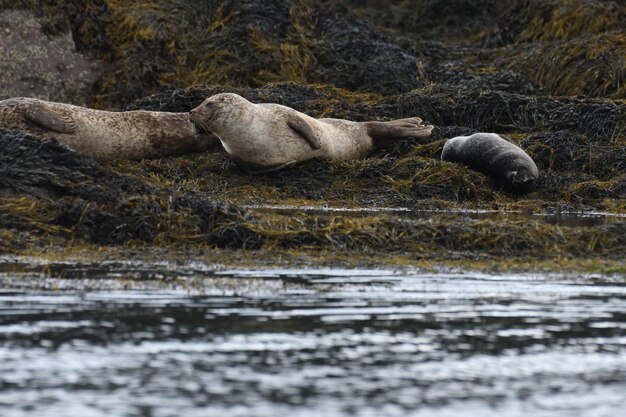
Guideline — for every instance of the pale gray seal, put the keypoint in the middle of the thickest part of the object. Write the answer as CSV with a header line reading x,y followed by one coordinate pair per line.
x,y
267,137
495,156
105,135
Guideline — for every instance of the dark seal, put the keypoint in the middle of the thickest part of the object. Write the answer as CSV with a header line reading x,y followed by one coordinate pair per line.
x,y
495,156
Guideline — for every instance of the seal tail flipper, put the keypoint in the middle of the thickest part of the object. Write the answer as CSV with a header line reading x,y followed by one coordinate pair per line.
x,y
411,127
40,114
304,129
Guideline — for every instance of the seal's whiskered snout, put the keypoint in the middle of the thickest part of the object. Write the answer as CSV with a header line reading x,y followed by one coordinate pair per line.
x,y
199,119
195,115
195,128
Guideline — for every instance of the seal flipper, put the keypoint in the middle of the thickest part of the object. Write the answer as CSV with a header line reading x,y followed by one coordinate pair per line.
x,y
304,129
49,119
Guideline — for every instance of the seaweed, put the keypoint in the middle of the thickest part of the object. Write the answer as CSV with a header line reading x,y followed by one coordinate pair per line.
x,y
591,65
42,168
451,21
549,74
359,59
245,43
553,20
567,151
457,234
52,189
565,48
600,120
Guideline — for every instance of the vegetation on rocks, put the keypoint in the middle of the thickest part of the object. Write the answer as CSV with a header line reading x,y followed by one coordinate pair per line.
x,y
550,75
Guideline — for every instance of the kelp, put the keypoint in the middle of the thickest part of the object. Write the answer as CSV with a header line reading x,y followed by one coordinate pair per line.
x,y
444,233
523,47
591,65
572,140
69,198
444,20
554,20
47,188
176,44
549,75
600,120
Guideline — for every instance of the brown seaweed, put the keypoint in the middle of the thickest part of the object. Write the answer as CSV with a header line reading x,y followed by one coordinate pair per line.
x,y
549,74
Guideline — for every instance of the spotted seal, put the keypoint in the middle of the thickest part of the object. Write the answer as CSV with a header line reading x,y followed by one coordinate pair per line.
x,y
267,137
495,156
105,135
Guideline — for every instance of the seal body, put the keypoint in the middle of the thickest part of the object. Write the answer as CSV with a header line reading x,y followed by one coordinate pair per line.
x,y
266,137
495,156
105,135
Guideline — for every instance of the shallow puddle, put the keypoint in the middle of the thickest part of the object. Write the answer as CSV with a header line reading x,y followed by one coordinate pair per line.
x,y
186,340
570,219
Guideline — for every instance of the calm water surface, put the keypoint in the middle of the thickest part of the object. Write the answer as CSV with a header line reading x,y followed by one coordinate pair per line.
x,y
184,340
570,219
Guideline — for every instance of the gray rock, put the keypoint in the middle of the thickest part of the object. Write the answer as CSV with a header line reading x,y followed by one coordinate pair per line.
x,y
33,64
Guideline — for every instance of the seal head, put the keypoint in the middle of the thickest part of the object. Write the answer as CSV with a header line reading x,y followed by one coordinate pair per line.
x,y
217,111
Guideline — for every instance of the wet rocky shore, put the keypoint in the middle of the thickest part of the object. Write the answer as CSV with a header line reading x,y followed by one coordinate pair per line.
x,y
548,74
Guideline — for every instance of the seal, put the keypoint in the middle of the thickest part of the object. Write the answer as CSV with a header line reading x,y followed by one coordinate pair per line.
x,y
495,156
105,135
267,137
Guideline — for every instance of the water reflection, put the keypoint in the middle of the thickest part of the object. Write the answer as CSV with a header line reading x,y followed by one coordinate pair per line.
x,y
309,343
569,219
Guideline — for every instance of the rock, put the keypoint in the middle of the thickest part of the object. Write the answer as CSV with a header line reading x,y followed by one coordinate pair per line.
x,y
33,64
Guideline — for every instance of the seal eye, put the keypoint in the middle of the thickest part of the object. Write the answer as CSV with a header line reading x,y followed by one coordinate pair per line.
x,y
209,104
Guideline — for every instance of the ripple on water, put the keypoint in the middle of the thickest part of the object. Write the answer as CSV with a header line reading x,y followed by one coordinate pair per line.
x,y
313,342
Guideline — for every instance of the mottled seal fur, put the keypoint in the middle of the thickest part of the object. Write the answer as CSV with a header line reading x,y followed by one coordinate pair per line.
x,y
495,156
267,137
105,135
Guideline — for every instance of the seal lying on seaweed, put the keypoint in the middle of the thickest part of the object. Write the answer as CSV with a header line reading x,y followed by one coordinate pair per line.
x,y
267,137
495,156
105,135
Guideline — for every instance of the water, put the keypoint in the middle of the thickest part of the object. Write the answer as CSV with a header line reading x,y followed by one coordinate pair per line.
x,y
186,340
569,219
